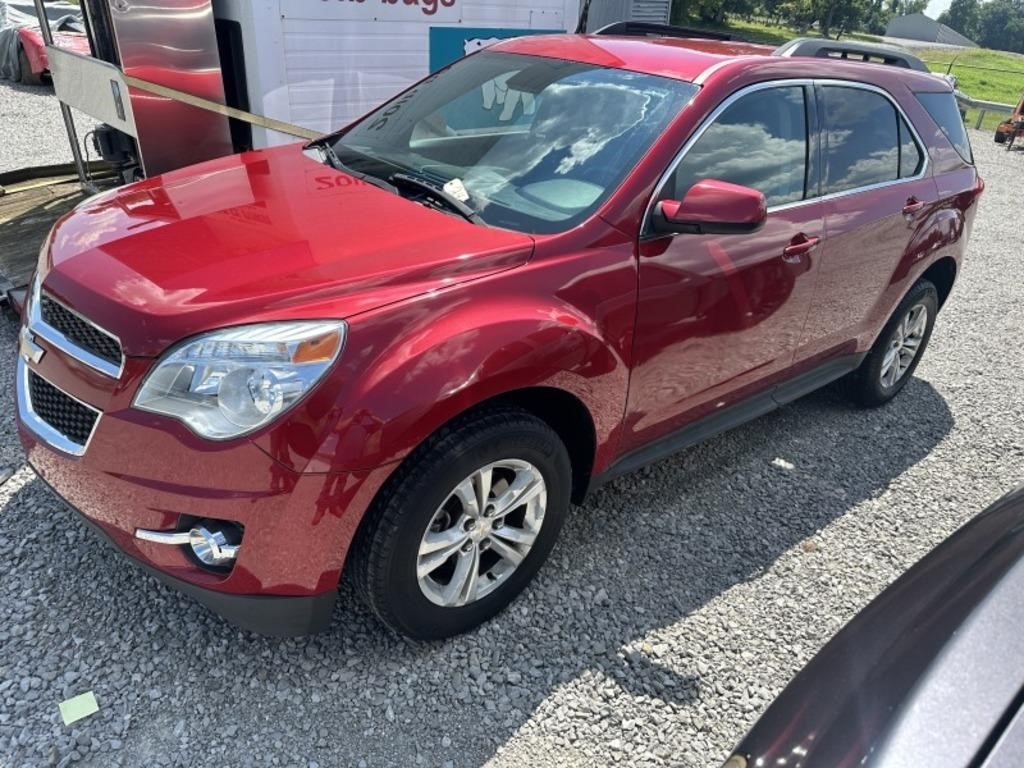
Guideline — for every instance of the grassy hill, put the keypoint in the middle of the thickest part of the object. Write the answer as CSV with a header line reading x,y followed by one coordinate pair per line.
x,y
982,74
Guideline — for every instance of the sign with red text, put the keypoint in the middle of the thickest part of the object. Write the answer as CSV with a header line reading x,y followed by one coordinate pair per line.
x,y
374,10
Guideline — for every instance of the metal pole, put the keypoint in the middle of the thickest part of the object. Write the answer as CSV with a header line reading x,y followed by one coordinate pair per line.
x,y
65,110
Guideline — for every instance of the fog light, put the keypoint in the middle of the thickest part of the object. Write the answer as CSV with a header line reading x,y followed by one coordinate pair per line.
x,y
213,542
212,547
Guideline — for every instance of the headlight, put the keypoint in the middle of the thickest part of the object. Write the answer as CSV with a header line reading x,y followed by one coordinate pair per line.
x,y
230,382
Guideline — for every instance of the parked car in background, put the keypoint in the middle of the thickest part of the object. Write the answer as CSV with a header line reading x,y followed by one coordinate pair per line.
x,y
23,54
403,349
34,62
930,673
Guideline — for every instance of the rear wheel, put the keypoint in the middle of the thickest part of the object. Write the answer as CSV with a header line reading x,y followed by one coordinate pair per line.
x,y
28,77
464,524
898,349
1000,137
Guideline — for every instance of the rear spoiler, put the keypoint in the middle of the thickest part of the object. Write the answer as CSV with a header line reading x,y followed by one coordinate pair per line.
x,y
822,48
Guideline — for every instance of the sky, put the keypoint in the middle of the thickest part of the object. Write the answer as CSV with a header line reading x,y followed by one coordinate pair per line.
x,y
935,7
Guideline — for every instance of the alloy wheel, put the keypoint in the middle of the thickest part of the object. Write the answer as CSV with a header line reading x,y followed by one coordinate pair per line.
x,y
904,345
481,533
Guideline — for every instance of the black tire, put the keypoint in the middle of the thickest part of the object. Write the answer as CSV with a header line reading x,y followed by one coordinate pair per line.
x,y
865,386
383,558
1000,137
28,77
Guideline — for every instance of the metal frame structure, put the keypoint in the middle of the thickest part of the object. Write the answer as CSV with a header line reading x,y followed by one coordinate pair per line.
x,y
65,110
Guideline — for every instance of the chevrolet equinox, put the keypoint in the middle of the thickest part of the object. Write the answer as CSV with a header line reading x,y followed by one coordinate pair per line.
x,y
402,350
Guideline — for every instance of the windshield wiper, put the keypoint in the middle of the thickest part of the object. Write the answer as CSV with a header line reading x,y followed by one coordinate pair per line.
x,y
439,194
335,162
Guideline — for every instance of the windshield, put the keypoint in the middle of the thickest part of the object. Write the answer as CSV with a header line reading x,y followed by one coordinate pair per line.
x,y
527,143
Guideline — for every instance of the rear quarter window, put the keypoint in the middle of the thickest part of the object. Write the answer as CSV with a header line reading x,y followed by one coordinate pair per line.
x,y
945,112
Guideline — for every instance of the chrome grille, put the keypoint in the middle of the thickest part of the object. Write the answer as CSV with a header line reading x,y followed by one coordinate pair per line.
x,y
80,331
62,413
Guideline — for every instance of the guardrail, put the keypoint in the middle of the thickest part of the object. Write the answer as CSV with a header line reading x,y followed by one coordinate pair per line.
x,y
983,107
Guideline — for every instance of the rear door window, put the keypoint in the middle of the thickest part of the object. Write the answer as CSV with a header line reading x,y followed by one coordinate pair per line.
x,y
759,141
945,112
862,145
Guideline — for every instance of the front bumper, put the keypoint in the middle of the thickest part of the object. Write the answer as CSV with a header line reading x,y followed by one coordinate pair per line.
x,y
141,471
272,615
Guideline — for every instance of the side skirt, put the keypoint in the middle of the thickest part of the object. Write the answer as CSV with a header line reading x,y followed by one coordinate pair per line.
x,y
733,416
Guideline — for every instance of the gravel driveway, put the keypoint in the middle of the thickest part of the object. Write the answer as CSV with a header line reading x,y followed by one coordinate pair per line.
x,y
678,603
31,129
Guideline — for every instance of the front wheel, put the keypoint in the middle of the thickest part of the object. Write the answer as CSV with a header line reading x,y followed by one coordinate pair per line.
x,y
464,524
898,349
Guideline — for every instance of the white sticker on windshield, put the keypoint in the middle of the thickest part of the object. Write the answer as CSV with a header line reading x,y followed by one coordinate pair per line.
x,y
457,189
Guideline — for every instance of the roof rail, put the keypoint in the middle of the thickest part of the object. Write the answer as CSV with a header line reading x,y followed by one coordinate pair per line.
x,y
648,29
823,48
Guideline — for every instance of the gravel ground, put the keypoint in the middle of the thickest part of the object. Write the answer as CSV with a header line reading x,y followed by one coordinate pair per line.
x,y
31,129
678,603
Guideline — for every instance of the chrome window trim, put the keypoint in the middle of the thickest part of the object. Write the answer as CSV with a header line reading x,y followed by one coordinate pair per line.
x,y
44,330
790,82
34,422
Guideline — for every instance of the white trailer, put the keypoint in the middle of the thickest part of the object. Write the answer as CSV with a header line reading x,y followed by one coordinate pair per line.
x,y
181,81
322,64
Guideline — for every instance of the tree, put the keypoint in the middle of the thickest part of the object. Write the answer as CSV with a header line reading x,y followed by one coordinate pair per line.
x,y
1001,25
876,18
831,16
907,7
963,17
717,11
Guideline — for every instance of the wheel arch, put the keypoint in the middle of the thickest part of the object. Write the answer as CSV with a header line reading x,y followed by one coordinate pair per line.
x,y
942,274
570,419
561,410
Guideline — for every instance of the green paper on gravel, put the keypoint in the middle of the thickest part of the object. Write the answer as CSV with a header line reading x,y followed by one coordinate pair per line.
x,y
78,707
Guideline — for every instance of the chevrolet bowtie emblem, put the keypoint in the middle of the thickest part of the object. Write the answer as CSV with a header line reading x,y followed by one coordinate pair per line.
x,y
28,348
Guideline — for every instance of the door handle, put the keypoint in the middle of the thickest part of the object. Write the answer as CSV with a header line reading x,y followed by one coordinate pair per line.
x,y
913,206
798,246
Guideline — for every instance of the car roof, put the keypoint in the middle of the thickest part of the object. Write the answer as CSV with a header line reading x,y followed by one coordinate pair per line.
x,y
695,59
678,58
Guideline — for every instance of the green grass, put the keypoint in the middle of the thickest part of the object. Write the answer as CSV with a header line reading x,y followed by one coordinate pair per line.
x,y
1002,79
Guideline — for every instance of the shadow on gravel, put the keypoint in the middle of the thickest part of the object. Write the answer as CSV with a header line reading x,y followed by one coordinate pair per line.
x,y
644,552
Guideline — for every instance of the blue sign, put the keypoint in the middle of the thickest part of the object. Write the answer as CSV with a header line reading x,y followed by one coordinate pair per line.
x,y
448,44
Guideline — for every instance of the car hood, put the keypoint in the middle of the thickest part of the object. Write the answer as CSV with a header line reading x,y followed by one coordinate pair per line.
x,y
263,235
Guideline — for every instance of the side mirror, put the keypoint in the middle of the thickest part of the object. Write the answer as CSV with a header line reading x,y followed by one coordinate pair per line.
x,y
712,207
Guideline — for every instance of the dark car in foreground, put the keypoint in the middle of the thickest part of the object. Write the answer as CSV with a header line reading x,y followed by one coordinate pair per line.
x,y
403,349
931,673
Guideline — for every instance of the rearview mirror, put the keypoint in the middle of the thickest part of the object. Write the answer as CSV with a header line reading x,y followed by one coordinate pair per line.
x,y
712,207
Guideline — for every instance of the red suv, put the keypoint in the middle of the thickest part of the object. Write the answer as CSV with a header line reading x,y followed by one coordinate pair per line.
x,y
401,351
